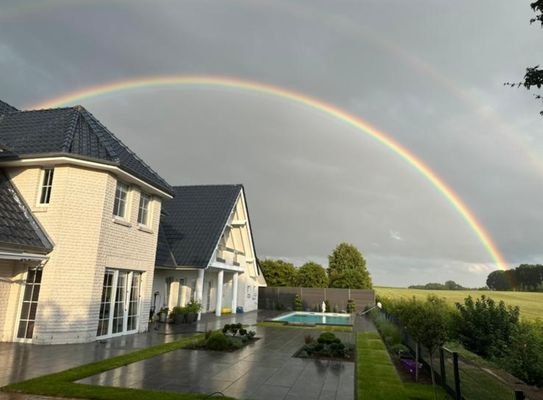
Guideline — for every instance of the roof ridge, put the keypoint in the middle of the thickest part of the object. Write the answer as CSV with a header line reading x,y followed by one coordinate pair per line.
x,y
91,119
125,147
69,133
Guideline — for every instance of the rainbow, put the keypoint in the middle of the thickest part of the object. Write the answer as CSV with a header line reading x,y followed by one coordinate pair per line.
x,y
313,103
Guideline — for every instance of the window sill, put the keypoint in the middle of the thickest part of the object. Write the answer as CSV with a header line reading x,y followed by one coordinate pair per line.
x,y
121,221
41,208
145,229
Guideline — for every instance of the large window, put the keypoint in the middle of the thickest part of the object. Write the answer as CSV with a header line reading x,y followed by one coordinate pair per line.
x,y
30,304
46,186
121,199
143,211
120,304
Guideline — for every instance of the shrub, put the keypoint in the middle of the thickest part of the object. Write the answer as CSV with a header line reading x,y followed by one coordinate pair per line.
x,y
298,305
351,306
326,338
218,341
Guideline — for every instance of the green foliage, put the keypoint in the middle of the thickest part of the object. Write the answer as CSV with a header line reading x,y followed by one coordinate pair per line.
x,y
218,341
524,357
311,275
449,285
298,305
484,327
389,331
278,272
347,268
326,337
193,307
351,306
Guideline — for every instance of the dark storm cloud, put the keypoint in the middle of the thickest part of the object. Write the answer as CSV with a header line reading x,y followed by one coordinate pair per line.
x,y
428,73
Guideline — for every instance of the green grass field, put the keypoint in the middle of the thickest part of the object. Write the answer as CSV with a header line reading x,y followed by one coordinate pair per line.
x,y
530,304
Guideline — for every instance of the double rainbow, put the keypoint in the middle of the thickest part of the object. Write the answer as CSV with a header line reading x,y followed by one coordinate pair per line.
x,y
313,103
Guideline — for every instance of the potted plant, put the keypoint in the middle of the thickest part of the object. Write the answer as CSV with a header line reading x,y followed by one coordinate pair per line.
x,y
193,308
179,314
163,314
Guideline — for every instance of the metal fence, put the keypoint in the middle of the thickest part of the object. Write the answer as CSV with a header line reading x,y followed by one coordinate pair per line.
x,y
282,298
460,377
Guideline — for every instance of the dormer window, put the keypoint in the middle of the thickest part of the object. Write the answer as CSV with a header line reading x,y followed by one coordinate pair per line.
x,y
121,199
143,211
46,186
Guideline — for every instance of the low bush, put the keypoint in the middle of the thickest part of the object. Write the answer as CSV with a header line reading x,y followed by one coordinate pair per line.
x,y
218,341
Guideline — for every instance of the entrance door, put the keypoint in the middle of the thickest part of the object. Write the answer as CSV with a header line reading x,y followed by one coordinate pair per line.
x,y
30,304
119,306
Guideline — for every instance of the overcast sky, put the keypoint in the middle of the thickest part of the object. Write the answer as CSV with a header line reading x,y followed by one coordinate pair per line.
x,y
429,73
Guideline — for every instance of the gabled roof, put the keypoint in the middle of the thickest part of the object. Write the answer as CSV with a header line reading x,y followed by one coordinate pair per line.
x,y
18,228
193,223
73,132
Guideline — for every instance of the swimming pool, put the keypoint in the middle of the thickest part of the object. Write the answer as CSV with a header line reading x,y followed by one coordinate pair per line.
x,y
315,318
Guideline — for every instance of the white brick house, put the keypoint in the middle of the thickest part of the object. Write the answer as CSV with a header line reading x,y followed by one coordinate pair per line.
x,y
206,251
99,205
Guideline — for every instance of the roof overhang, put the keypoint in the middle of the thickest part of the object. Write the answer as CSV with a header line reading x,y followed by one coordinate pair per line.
x,y
21,256
81,161
225,267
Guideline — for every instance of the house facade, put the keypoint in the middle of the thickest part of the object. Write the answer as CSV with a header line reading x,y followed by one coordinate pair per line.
x,y
99,205
206,251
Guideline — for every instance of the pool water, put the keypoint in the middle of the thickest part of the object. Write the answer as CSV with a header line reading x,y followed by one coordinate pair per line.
x,y
310,318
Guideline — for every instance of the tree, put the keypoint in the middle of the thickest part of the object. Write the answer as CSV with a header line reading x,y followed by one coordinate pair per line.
x,y
525,353
429,325
534,75
347,268
278,272
497,280
486,328
311,275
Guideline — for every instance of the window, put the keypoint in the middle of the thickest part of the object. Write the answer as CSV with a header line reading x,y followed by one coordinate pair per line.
x,y
121,198
46,185
143,211
30,304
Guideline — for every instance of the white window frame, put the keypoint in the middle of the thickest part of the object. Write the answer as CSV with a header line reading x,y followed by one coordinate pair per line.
x,y
45,186
148,209
127,295
126,200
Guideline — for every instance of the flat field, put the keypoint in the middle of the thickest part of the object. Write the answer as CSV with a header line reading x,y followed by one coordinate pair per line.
x,y
530,304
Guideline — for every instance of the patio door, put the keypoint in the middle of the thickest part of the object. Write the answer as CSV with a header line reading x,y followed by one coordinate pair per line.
x,y
120,303
29,306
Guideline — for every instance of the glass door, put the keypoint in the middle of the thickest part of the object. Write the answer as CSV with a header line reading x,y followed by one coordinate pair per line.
x,y
120,303
29,306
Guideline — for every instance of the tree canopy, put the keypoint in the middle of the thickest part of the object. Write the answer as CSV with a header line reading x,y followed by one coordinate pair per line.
x,y
311,275
278,272
526,277
347,268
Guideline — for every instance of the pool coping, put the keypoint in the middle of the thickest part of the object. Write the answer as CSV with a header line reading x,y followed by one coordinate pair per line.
x,y
304,324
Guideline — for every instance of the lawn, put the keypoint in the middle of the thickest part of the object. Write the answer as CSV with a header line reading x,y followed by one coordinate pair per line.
x,y
530,304
376,375
323,328
62,384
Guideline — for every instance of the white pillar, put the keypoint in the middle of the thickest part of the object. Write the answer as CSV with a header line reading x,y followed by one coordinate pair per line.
x,y
200,290
234,292
220,278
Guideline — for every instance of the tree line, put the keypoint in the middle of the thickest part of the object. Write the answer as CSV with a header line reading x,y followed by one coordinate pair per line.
x,y
525,278
449,285
346,269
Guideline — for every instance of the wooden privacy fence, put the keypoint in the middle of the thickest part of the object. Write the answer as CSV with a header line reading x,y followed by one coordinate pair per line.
x,y
282,298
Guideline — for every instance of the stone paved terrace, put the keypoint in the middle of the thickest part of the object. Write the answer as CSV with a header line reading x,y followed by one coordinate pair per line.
x,y
262,370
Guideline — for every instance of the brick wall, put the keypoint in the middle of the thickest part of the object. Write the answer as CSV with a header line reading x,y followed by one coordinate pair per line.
x,y
79,220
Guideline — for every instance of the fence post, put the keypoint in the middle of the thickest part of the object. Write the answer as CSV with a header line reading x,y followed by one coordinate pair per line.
x,y
458,395
519,395
442,367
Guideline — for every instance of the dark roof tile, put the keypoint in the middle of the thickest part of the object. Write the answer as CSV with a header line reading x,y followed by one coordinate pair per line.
x,y
192,224
72,131
18,228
